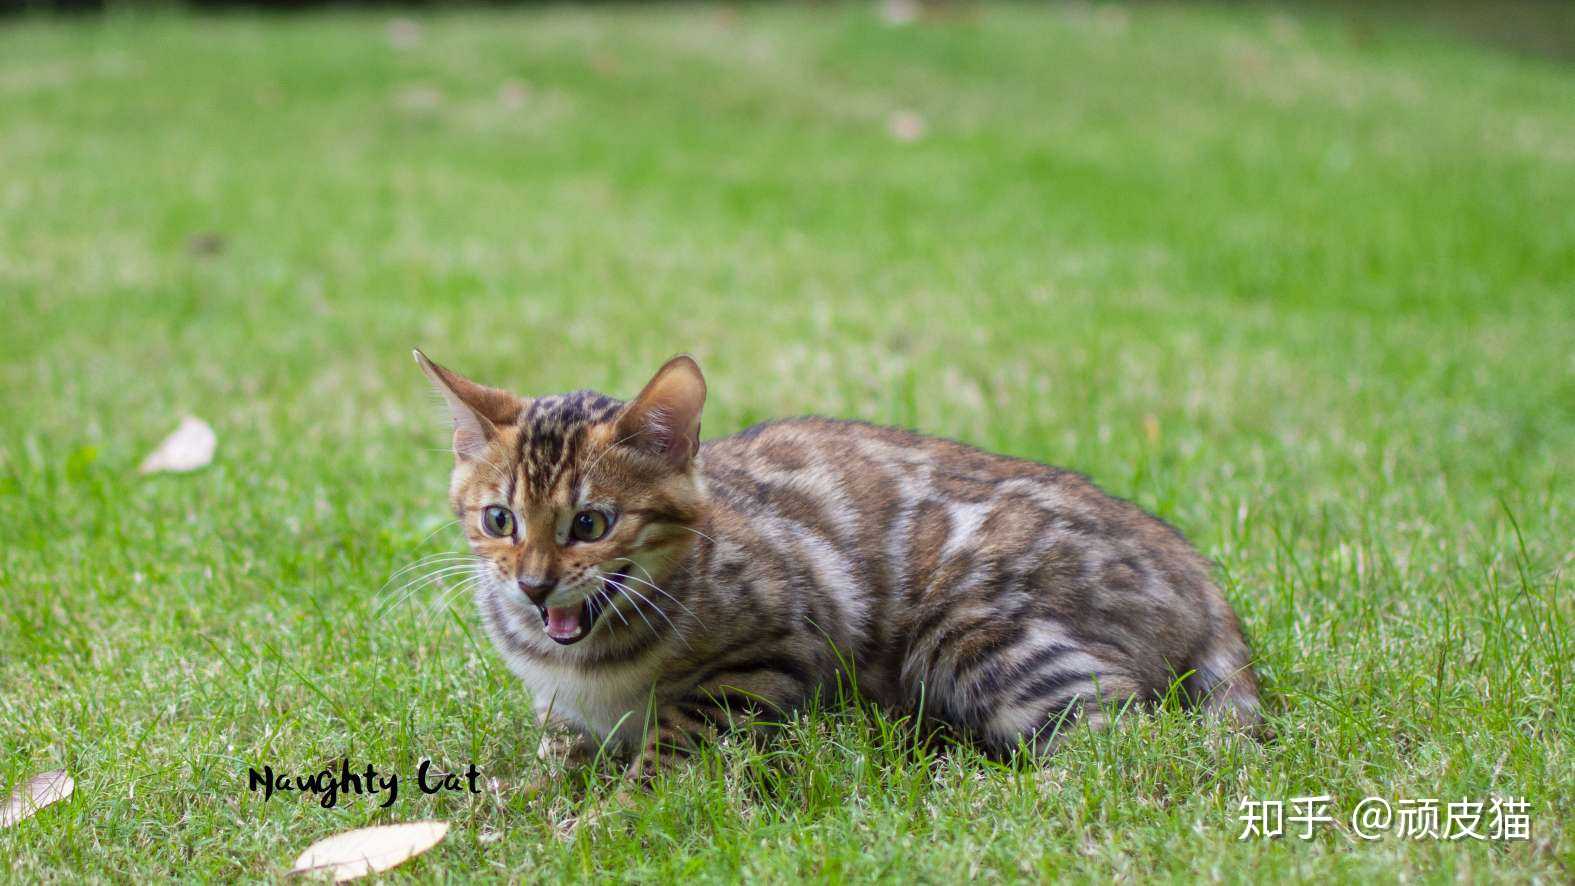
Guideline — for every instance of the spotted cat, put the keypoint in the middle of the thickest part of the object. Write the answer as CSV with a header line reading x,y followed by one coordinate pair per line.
x,y
651,589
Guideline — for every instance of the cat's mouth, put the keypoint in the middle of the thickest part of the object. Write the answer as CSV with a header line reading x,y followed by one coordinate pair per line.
x,y
567,625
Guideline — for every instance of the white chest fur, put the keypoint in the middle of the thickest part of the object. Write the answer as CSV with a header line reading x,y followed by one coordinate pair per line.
x,y
605,702
600,703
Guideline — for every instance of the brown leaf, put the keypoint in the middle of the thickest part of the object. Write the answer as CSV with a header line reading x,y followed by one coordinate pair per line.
x,y
190,447
206,243
899,12
605,64
365,851
512,95
34,794
418,99
1151,427
404,33
905,126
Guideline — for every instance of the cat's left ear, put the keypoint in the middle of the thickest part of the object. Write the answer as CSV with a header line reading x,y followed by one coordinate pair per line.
x,y
664,420
477,409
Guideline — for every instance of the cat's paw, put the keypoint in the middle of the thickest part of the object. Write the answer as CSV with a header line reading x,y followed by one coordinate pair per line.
x,y
645,768
569,748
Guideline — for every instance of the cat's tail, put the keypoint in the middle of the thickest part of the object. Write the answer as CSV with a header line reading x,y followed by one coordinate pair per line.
x,y
1222,682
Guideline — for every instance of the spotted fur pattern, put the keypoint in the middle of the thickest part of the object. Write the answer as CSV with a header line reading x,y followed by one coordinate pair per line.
x,y
1004,598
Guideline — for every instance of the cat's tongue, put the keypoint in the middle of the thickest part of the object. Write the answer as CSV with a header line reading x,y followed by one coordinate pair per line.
x,y
563,622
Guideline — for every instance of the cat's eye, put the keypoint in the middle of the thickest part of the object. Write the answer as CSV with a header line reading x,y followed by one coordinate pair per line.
x,y
589,526
497,522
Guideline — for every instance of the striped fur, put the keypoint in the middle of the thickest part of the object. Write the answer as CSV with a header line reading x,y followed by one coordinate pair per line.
x,y
1009,598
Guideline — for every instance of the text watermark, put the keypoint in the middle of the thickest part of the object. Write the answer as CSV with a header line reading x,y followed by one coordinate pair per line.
x,y
1498,818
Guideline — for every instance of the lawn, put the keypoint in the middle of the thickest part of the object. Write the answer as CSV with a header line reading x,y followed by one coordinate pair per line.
x,y
1302,286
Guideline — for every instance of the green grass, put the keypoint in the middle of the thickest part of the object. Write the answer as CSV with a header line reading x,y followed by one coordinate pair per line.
x,y
1304,289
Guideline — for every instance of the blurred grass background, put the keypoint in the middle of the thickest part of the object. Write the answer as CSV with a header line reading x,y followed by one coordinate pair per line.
x,y
1300,279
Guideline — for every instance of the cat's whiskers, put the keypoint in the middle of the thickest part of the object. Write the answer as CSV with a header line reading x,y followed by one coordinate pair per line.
x,y
696,532
623,591
450,594
426,563
606,604
594,606
405,591
389,607
626,590
387,602
429,558
429,535
657,588
439,567
445,597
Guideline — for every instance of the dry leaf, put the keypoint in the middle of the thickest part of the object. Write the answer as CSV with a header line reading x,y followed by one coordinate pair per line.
x,y
206,243
512,95
34,794
418,98
365,851
404,33
189,448
905,126
1112,19
1151,427
605,64
899,12
1285,28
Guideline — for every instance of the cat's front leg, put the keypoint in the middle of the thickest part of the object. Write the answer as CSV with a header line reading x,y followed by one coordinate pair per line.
x,y
562,745
671,739
723,703
563,741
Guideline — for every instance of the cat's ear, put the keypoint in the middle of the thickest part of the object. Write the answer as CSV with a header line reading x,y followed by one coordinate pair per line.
x,y
664,419
477,409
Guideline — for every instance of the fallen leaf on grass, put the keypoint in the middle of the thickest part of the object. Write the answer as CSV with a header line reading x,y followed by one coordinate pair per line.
x,y
404,33
512,95
905,126
1151,427
365,851
418,99
1112,19
189,448
206,243
34,794
899,12
605,64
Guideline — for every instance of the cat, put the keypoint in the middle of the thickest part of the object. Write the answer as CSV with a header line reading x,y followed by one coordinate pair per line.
x,y
652,590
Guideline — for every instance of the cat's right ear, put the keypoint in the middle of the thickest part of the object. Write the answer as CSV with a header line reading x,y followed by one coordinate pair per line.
x,y
477,409
664,420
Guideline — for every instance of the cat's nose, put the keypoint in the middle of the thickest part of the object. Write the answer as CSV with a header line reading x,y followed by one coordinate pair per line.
x,y
537,587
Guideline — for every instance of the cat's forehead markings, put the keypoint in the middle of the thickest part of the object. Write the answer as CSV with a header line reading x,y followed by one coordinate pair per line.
x,y
552,431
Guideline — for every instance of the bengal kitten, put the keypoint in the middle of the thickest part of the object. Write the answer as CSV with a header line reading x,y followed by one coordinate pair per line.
x,y
651,589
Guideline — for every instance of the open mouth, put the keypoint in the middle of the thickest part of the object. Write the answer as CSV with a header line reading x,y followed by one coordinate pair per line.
x,y
567,625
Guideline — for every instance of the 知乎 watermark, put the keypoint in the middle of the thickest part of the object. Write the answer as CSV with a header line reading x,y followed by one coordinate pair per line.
x,y
1498,818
